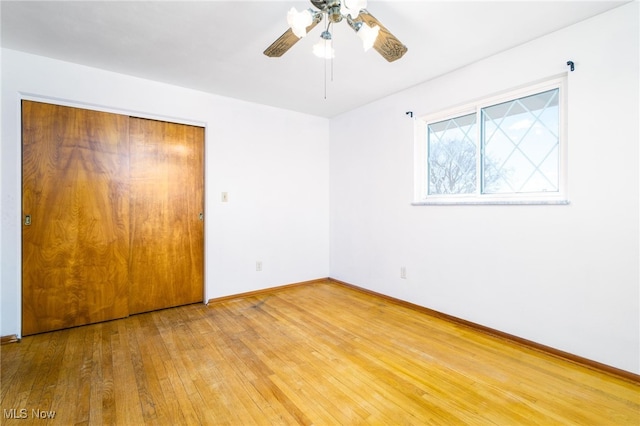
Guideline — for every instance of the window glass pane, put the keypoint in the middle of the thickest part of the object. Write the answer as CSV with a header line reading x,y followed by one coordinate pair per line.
x,y
452,156
520,145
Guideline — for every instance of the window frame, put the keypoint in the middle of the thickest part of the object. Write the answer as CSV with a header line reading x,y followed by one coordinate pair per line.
x,y
421,195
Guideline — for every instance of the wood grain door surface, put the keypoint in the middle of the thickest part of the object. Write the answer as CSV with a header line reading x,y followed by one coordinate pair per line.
x,y
167,233
75,252
113,205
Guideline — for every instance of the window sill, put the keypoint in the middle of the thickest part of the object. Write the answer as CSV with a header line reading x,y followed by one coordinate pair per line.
x,y
476,202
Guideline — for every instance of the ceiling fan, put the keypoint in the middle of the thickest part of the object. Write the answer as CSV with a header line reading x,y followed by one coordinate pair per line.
x,y
354,12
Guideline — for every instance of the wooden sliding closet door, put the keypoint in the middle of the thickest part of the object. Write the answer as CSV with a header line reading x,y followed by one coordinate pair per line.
x,y
167,200
75,233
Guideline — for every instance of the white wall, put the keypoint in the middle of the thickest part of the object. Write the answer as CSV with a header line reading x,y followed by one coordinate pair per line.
x,y
562,276
273,163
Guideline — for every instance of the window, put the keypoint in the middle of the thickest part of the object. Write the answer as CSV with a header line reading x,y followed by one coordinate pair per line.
x,y
508,149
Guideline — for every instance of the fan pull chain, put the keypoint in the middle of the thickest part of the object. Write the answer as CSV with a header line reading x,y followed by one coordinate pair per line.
x,y
325,78
333,46
325,74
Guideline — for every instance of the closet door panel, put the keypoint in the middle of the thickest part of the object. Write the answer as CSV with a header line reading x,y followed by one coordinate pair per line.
x,y
167,198
75,234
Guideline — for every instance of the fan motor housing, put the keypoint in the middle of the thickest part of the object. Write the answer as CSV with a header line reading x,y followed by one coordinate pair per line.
x,y
333,11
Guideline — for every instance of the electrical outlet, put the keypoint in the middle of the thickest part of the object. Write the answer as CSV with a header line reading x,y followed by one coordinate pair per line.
x,y
403,273
258,266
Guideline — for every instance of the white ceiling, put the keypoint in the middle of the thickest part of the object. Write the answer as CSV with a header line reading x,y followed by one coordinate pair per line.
x,y
216,46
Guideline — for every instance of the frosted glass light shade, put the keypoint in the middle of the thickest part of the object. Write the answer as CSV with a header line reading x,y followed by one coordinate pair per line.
x,y
299,21
324,49
368,35
353,7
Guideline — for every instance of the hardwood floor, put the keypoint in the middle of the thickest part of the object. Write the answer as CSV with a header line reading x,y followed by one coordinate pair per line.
x,y
321,354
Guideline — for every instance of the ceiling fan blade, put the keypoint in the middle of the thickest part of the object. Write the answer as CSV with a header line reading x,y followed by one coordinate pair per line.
x,y
288,39
282,44
386,44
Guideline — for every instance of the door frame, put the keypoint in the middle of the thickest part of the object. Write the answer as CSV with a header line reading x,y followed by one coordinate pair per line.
x,y
114,110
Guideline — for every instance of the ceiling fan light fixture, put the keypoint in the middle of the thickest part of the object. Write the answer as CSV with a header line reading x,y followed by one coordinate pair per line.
x,y
299,21
324,47
356,15
368,35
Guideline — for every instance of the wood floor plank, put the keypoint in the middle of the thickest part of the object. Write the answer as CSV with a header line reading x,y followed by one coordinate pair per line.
x,y
106,391
42,389
318,354
246,369
13,376
127,400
